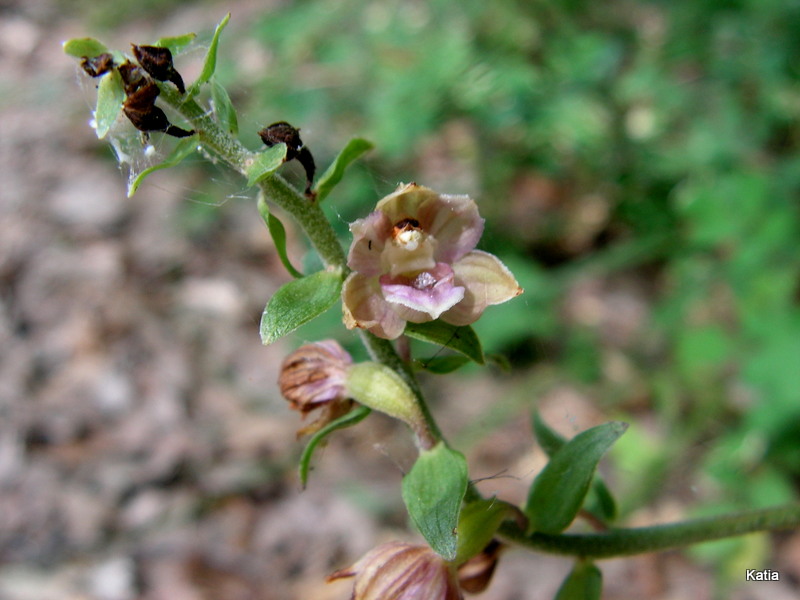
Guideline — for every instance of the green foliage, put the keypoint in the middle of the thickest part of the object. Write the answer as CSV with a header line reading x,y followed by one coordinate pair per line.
x,y
558,492
459,338
298,302
358,414
333,174
432,492
182,149
265,164
584,582
210,62
477,525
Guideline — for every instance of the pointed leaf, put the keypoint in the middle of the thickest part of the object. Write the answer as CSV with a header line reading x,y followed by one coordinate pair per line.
x,y
477,525
441,365
265,164
110,97
600,501
223,109
278,234
176,43
433,491
333,174
210,63
182,149
585,582
559,490
462,338
298,302
80,47
356,415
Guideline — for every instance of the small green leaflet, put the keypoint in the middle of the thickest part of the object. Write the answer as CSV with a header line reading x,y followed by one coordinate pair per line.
x,y
356,415
223,109
176,43
441,365
558,492
600,501
477,525
333,174
585,582
182,149
110,97
433,491
278,233
298,302
210,63
265,164
80,47
462,339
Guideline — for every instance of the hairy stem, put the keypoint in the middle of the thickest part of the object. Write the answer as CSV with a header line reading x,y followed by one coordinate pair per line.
x,y
312,221
624,542
308,214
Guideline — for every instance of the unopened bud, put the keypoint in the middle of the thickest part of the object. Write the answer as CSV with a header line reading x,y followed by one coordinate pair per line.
x,y
380,388
399,571
314,376
475,574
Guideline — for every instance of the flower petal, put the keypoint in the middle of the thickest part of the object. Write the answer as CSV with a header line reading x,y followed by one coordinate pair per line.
x,y
487,281
369,237
452,220
430,292
364,307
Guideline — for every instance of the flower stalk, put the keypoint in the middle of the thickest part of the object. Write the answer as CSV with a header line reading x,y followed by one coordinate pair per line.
x,y
625,542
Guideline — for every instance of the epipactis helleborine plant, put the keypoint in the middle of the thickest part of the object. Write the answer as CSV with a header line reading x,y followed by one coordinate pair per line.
x,y
414,259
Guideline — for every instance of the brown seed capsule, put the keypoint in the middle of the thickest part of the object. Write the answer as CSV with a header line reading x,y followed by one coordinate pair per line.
x,y
141,110
282,132
133,77
97,65
157,61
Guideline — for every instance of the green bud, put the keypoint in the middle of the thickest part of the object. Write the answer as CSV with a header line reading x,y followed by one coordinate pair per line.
x,y
380,388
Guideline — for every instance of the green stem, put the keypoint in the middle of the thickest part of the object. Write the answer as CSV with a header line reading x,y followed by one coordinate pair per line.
x,y
625,542
308,215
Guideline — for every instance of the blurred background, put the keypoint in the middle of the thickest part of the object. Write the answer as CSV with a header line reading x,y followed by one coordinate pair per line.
x,y
637,164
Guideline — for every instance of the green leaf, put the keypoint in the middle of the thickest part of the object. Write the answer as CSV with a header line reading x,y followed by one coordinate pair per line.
x,y
298,302
265,164
223,109
176,43
80,47
110,96
433,491
461,339
182,149
442,365
333,174
585,582
356,415
278,233
558,491
600,502
210,63
550,440
477,525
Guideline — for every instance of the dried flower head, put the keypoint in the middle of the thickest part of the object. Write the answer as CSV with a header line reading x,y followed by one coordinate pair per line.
x,y
399,571
414,259
314,377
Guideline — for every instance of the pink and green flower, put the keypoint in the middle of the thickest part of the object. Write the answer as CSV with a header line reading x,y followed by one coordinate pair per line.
x,y
414,260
